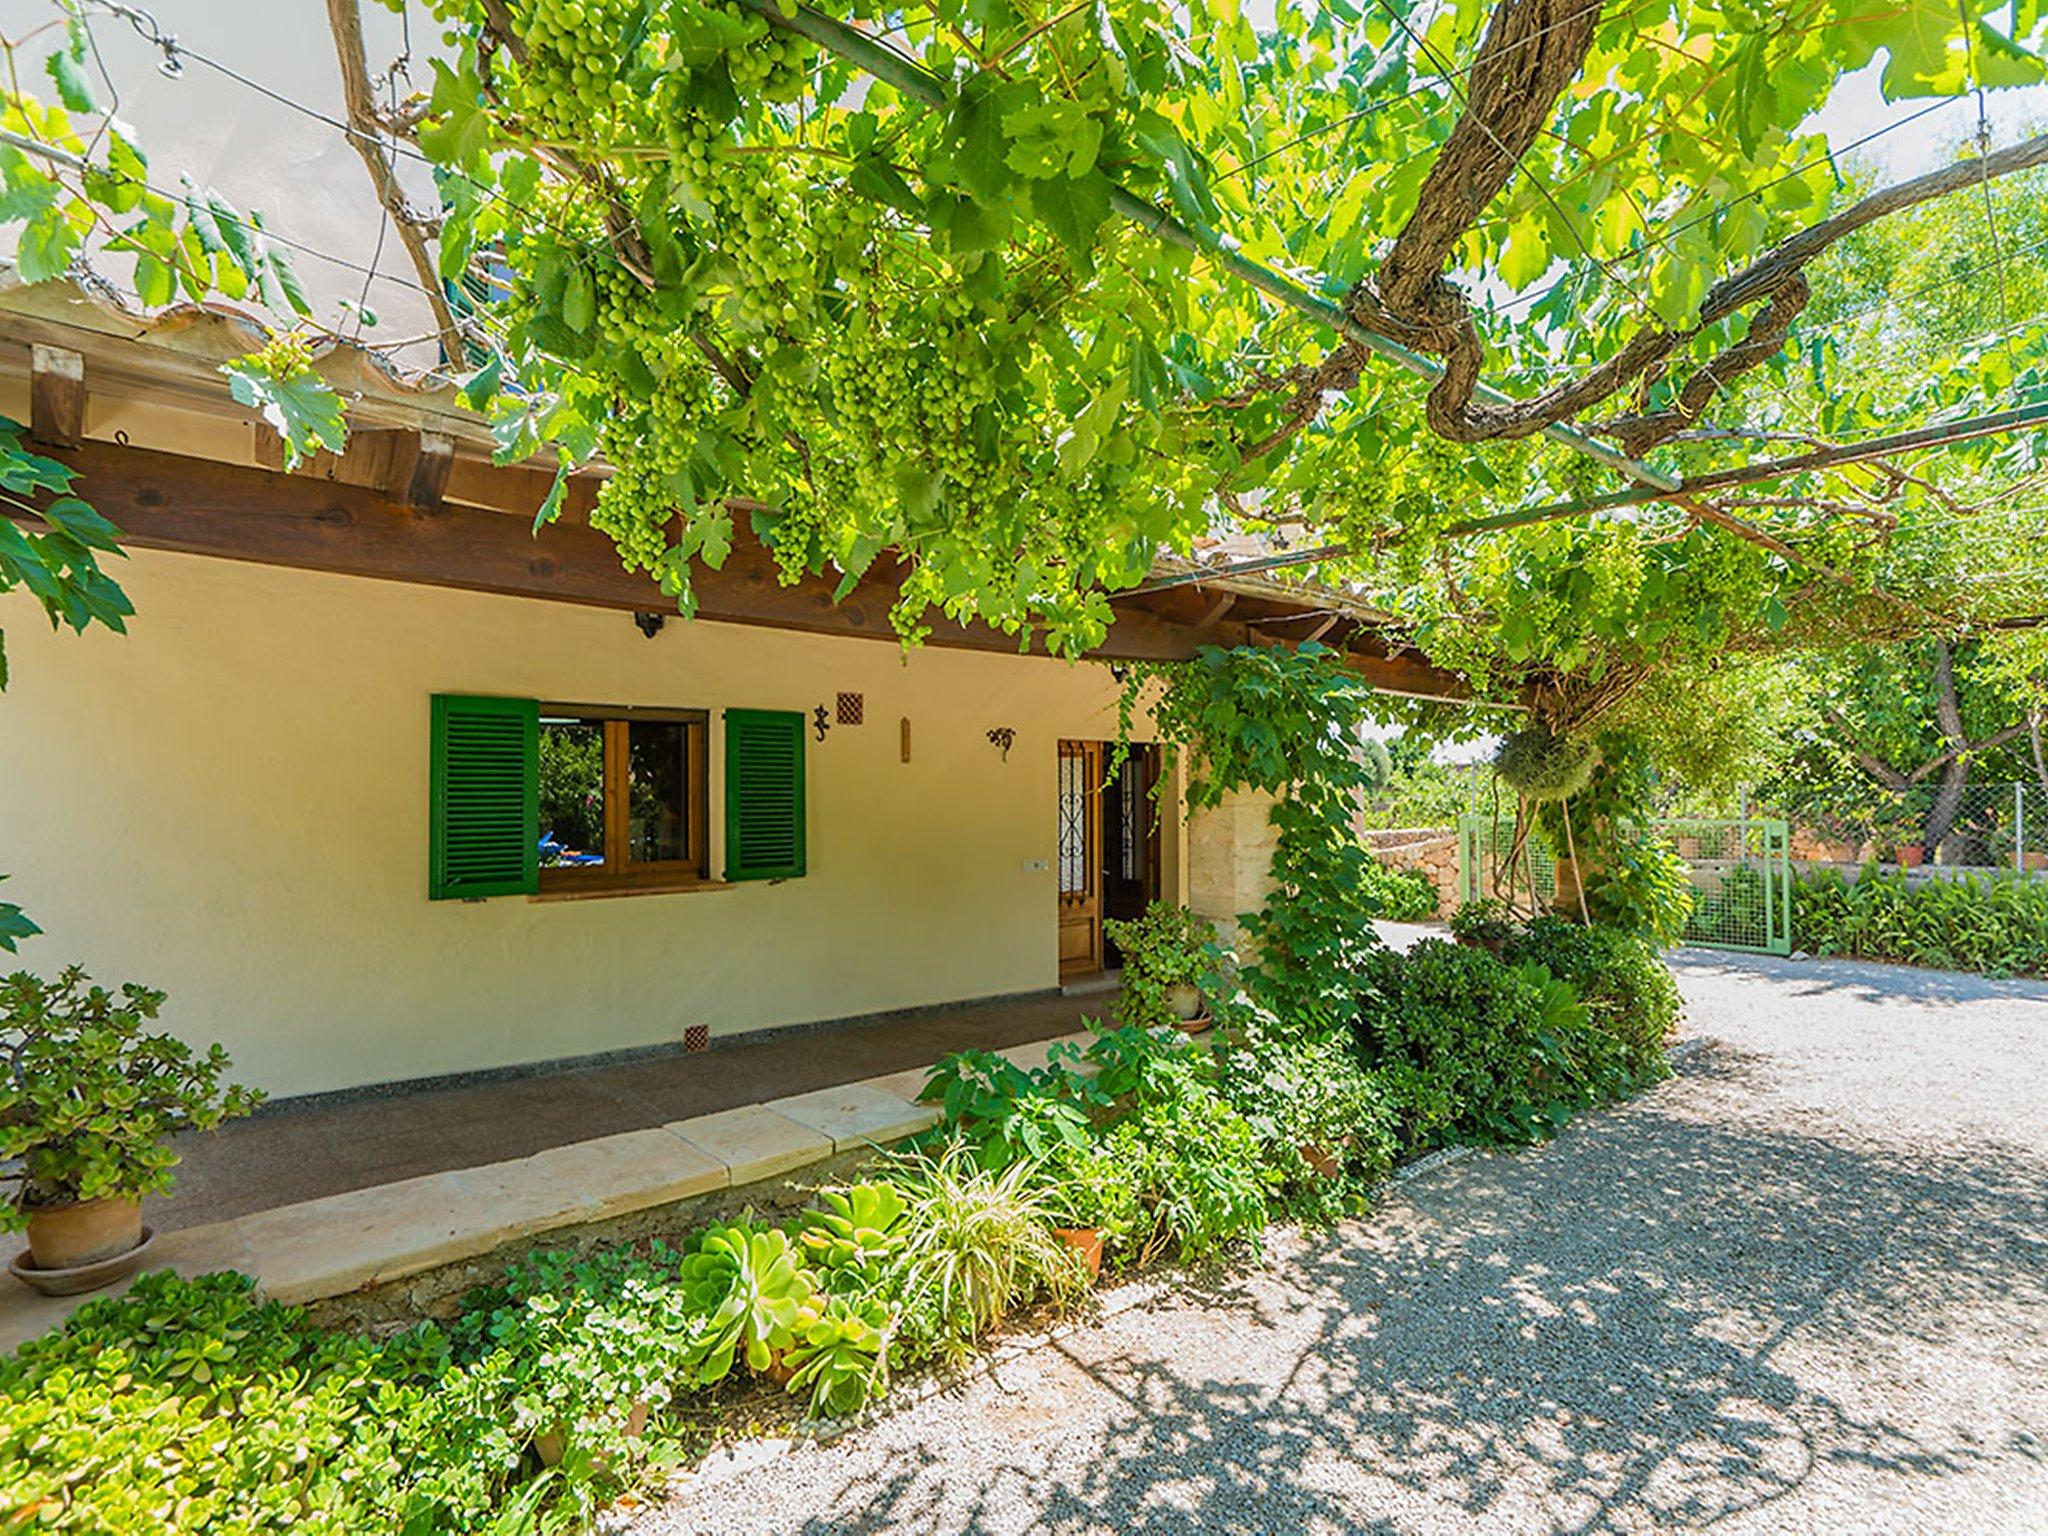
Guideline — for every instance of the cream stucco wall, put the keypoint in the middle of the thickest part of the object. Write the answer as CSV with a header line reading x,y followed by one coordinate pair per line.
x,y
231,803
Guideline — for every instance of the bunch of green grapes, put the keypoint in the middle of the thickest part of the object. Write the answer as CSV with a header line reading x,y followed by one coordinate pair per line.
x,y
756,210
649,446
776,67
285,356
572,81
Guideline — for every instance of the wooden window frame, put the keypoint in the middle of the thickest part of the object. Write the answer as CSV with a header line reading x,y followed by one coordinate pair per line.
x,y
620,874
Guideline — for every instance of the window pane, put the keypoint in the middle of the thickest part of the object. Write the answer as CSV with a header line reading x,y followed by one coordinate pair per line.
x,y
658,771
571,792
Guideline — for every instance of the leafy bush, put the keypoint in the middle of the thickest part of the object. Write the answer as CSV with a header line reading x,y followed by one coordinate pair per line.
x,y
90,1095
190,1405
1093,1185
1310,1098
1485,922
1640,887
1997,926
575,1342
1625,987
1005,1112
1197,1167
1400,895
1473,1047
1164,948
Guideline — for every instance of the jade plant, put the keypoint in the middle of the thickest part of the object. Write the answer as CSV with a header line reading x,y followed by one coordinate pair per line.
x,y
90,1093
1171,960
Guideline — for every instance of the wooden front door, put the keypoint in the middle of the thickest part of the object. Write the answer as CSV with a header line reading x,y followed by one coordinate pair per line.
x,y
1080,861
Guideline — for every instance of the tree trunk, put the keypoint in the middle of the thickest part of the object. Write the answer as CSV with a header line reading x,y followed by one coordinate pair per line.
x,y
1955,773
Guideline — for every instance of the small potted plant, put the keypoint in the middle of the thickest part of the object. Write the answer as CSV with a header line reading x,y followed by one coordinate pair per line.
x,y
88,1098
1170,957
1092,1199
1483,923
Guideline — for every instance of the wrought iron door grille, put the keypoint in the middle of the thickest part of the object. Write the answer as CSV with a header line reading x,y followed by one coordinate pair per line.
x,y
1074,829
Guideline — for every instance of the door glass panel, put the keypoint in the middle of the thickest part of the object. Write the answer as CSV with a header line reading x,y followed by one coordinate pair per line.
x,y
658,779
571,792
1074,850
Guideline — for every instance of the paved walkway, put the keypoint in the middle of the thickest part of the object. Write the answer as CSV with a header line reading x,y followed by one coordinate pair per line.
x,y
292,1152
1803,1287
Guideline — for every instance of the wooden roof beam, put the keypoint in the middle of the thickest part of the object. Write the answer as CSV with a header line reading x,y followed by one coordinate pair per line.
x,y
310,522
56,396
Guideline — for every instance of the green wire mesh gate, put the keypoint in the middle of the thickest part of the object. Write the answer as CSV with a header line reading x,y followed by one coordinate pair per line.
x,y
1490,865
1741,870
1741,881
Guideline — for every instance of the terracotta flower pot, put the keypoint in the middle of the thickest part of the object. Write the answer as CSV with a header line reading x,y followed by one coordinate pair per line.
x,y
1909,855
551,1445
84,1232
2037,861
1087,1242
1323,1163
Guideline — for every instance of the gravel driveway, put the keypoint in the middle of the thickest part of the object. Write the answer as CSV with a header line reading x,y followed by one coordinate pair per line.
x,y
1802,1287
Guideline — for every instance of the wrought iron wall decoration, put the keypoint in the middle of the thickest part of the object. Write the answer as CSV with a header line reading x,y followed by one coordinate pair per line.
x,y
1003,736
821,721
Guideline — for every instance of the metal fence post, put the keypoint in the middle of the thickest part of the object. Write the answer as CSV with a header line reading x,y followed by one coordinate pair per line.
x,y
2019,827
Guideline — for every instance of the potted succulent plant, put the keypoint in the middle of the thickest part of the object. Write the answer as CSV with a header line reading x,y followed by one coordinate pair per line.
x,y
88,1098
1170,957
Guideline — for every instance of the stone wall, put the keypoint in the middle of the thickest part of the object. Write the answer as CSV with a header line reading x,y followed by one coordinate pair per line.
x,y
1433,850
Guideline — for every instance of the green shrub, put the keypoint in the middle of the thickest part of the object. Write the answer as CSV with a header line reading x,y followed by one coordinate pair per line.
x,y
1197,1166
1485,922
1626,988
189,1405
1640,887
573,1342
1312,1094
1400,895
1474,1048
1996,925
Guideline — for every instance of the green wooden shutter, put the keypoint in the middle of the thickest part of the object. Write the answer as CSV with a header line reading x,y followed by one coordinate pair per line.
x,y
764,794
483,822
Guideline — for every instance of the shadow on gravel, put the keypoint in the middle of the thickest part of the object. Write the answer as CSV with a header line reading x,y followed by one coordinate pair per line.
x,y
1586,1338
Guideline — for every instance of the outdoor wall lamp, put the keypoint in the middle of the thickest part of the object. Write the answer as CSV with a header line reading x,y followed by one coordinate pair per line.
x,y
1002,736
649,624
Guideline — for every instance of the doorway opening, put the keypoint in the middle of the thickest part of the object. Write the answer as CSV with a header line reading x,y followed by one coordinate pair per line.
x,y
1109,849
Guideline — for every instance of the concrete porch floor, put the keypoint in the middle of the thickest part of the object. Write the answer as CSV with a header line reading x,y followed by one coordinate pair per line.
x,y
295,1153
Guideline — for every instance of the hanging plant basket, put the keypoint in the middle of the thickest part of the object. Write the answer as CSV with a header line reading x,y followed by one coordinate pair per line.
x,y
1538,764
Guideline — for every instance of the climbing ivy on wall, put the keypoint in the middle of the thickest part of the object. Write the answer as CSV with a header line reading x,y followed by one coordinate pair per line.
x,y
1283,722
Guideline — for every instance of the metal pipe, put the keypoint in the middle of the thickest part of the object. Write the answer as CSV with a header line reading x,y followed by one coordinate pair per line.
x,y
911,78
